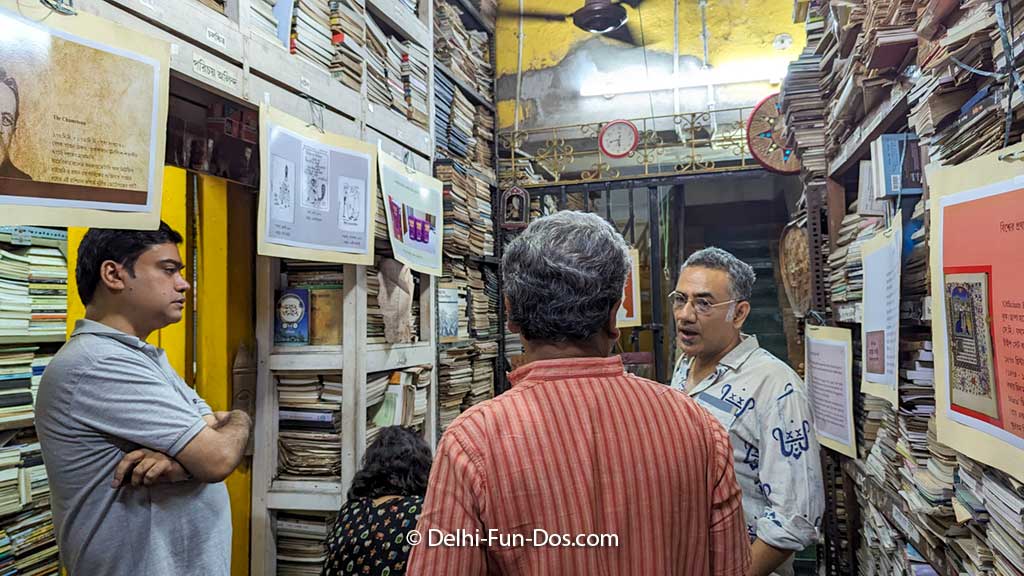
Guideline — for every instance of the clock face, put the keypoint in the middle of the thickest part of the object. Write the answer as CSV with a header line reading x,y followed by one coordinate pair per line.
x,y
782,42
618,138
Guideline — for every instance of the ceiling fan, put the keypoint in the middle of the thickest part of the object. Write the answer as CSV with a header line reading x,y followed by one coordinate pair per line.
x,y
605,17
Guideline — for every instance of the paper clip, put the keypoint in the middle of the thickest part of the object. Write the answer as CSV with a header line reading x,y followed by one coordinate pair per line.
x,y
316,112
64,7
407,161
1012,157
818,319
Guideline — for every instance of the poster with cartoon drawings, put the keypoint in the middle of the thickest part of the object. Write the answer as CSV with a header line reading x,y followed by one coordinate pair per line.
x,y
314,192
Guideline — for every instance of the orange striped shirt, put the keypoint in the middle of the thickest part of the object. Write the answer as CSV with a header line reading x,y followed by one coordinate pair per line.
x,y
579,447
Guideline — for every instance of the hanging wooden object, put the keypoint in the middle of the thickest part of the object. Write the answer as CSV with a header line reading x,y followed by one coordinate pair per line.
x,y
794,260
766,138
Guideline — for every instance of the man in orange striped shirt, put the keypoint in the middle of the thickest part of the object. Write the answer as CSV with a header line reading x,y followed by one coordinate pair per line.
x,y
580,468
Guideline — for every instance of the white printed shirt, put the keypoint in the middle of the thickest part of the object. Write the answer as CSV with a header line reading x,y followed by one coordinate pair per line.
x,y
764,406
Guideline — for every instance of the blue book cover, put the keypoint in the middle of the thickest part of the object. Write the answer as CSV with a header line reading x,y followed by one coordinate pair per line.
x,y
902,160
291,318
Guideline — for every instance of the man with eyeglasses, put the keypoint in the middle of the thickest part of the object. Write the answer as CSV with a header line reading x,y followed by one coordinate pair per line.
x,y
759,400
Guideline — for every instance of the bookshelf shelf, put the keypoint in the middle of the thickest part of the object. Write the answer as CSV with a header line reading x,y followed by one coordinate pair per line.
x,y
473,95
398,128
888,506
475,17
383,357
272,62
307,359
858,144
318,495
848,312
18,424
195,22
32,339
441,160
354,360
402,21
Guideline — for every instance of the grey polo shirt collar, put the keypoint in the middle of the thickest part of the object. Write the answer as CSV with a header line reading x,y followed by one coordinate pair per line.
x,y
86,326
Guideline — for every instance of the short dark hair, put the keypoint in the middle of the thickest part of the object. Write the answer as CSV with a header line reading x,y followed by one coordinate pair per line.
x,y
396,464
121,246
11,83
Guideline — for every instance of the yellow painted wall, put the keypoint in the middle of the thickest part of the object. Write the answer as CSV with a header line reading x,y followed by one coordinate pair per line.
x,y
174,211
225,297
739,29
225,237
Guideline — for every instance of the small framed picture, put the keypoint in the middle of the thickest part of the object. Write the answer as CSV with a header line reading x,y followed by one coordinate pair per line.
x,y
515,208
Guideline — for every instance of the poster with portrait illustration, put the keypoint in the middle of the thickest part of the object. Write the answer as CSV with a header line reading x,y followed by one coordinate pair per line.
x,y
83,104
414,210
315,192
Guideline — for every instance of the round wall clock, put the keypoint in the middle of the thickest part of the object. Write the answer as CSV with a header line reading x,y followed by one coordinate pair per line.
x,y
765,137
618,138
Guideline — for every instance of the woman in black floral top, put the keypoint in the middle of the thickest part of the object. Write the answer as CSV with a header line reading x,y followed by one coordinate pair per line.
x,y
383,505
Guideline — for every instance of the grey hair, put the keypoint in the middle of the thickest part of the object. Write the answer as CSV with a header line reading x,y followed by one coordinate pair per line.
x,y
563,275
741,274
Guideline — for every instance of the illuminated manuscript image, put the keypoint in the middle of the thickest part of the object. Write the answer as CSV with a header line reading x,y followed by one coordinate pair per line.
x,y
972,378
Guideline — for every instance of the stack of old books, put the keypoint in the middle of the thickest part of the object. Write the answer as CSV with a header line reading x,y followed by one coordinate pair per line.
x,y
484,216
377,89
15,300
466,53
480,325
262,17
16,374
376,393
493,298
483,160
802,102
309,438
483,374
348,36
302,542
48,289
444,97
455,381
458,220
414,71
488,11
847,267
311,32
396,85
516,172
461,140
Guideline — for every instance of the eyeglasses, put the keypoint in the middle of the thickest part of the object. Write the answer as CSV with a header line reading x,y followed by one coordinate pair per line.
x,y
702,306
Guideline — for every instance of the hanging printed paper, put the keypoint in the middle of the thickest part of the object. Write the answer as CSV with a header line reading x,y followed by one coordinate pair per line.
x,y
314,193
629,311
414,204
84,108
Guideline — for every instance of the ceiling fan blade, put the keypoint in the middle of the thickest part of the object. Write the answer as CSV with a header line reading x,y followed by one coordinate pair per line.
x,y
622,34
549,16
632,3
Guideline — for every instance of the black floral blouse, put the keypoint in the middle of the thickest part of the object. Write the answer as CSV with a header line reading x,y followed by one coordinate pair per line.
x,y
369,540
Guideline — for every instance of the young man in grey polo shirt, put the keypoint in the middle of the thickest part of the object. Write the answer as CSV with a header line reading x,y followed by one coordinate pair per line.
x,y
135,458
